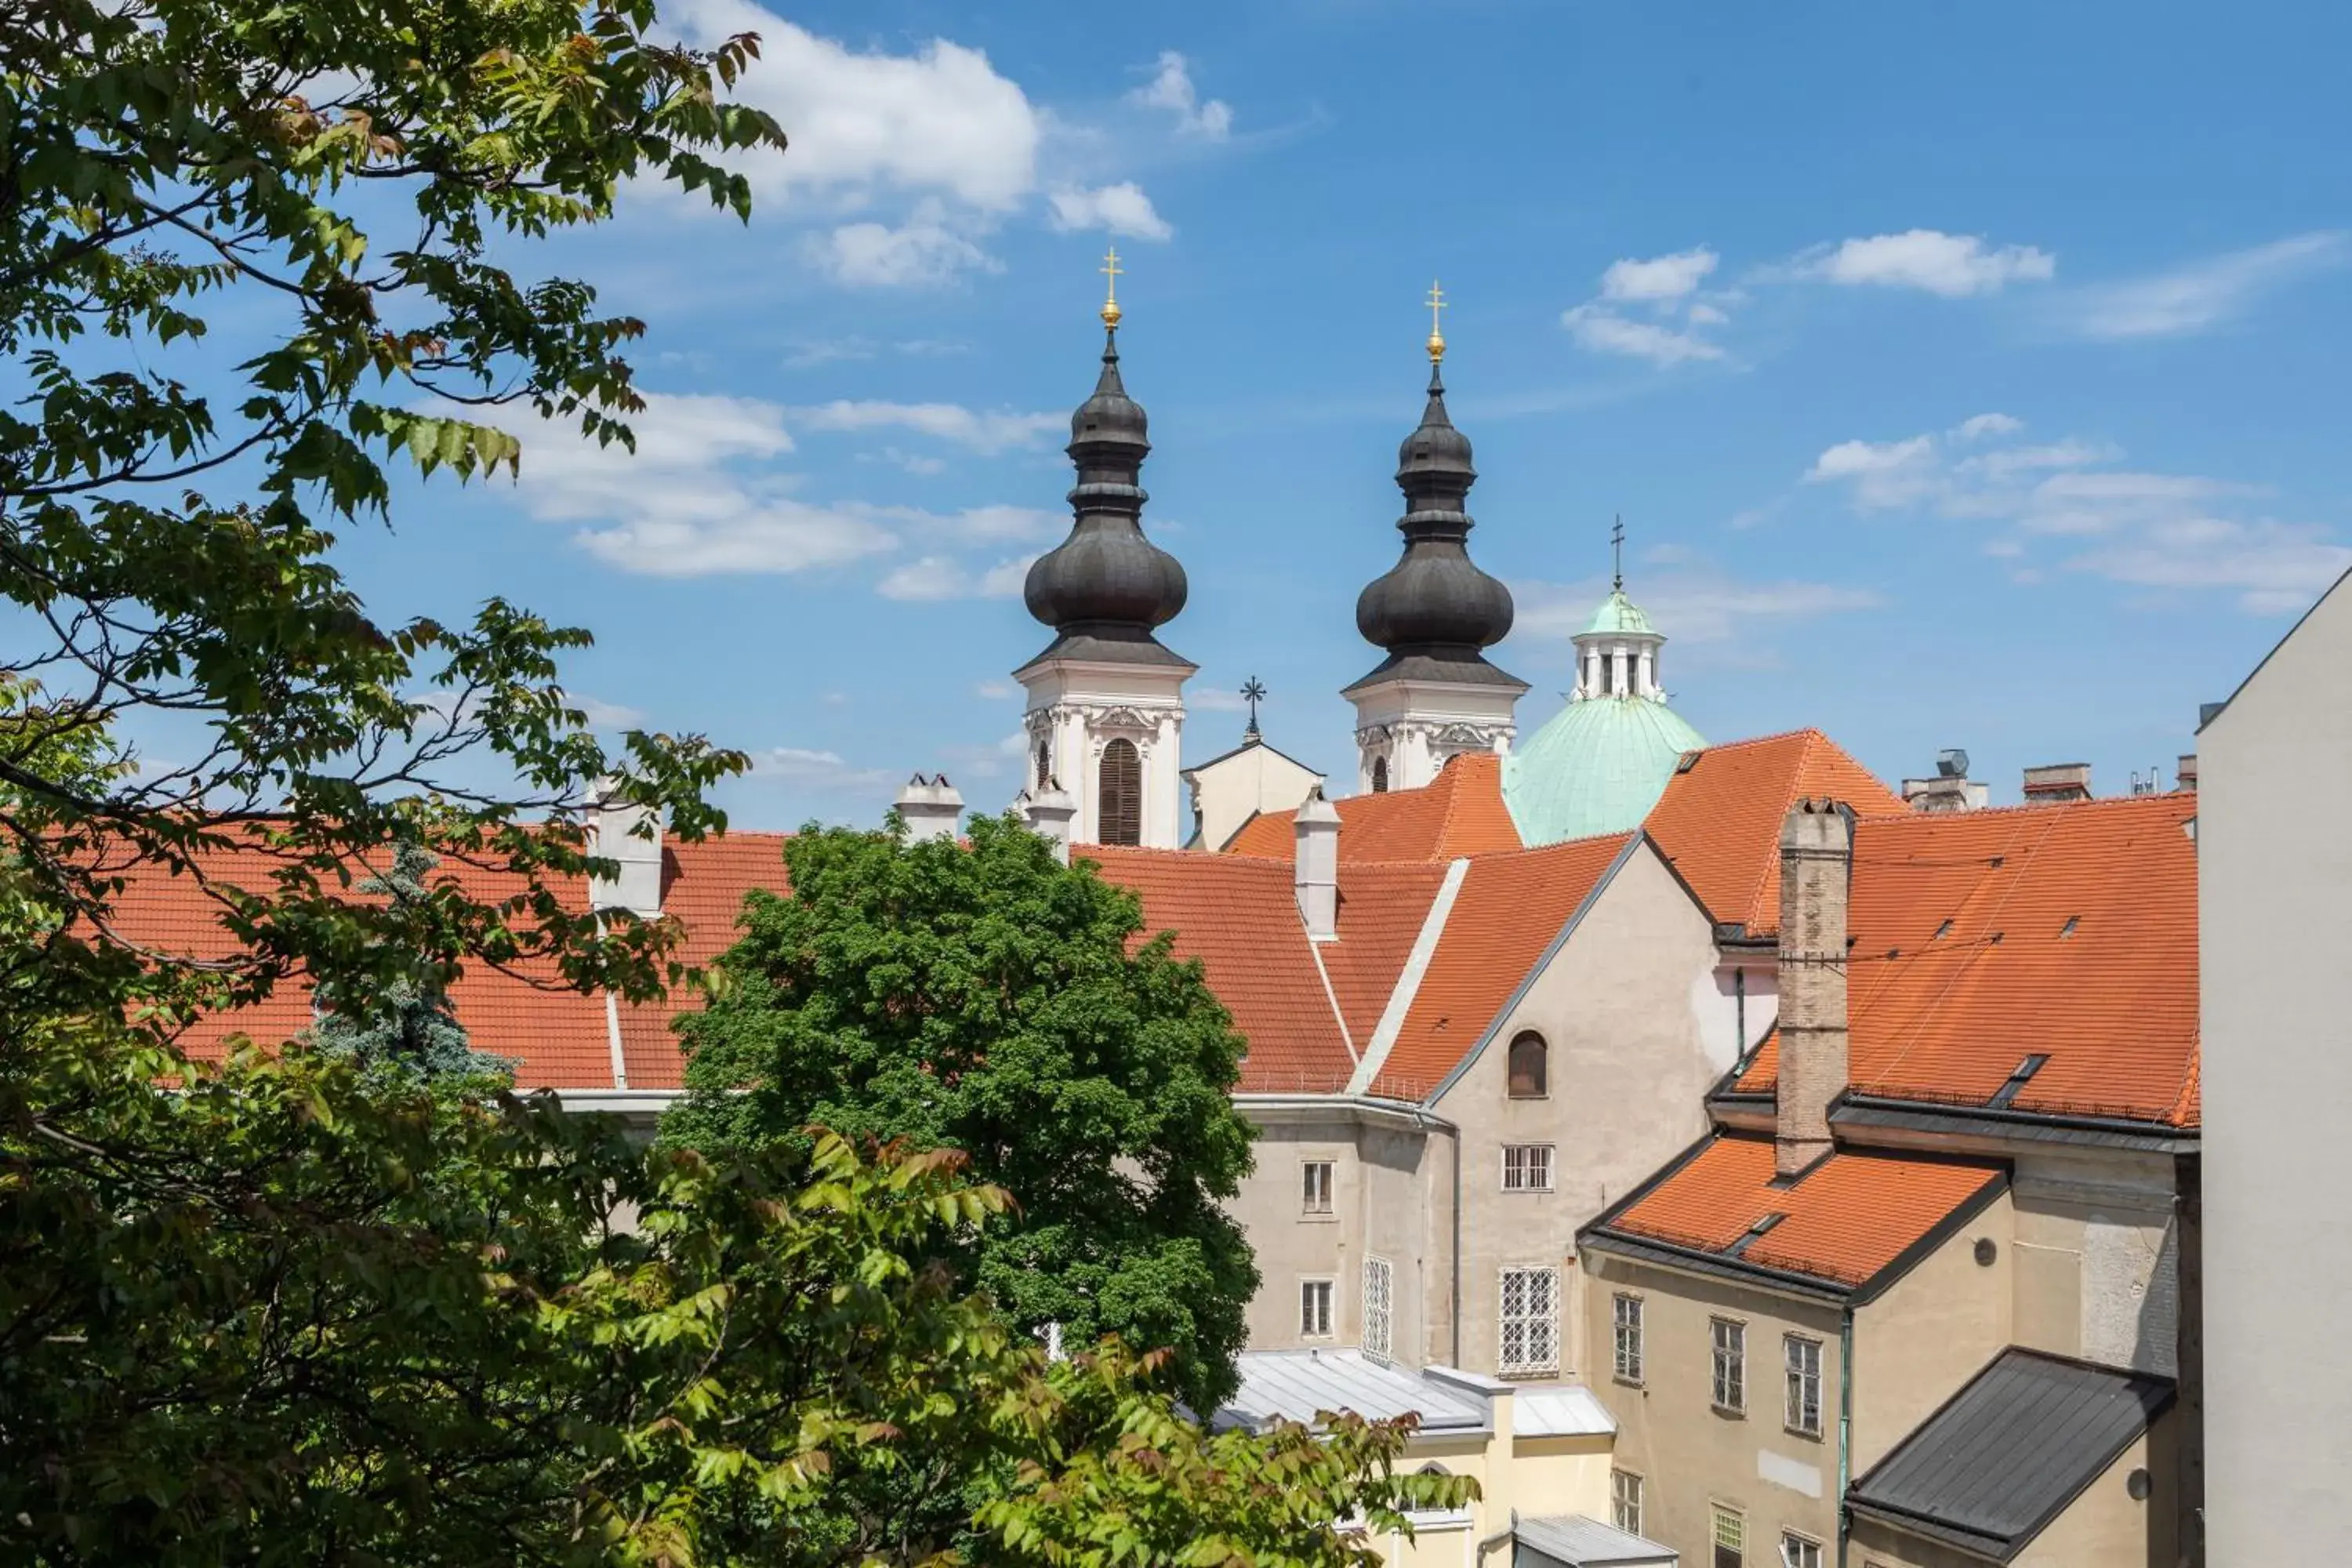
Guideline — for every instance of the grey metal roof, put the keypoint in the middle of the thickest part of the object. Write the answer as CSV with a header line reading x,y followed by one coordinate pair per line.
x,y
1572,1541
2006,1455
1298,1386
1568,1411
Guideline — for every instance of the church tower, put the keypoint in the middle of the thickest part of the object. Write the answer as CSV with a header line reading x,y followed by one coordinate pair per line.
x,y
1106,699
1435,696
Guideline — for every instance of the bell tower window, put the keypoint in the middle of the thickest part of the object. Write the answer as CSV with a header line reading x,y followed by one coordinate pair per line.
x,y
1119,799
1380,776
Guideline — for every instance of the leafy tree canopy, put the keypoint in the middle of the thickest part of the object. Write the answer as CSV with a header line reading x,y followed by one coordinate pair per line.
x,y
339,182
990,1000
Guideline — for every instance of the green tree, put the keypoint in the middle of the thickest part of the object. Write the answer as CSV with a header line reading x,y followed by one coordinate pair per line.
x,y
166,501
990,1000
289,1313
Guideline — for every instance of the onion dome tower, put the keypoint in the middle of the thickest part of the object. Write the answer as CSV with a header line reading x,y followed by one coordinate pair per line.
x,y
1601,763
1434,696
1106,697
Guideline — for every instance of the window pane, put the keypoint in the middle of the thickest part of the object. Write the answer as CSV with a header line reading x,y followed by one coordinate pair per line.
x,y
1530,1069
1626,1501
1380,1286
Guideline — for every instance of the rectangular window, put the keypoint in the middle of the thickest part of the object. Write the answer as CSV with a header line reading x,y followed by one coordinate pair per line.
x,y
1379,1295
1730,1539
1315,1308
1316,1177
1796,1551
1626,1501
1530,1320
1527,1167
1804,1380
1730,1366
1627,1331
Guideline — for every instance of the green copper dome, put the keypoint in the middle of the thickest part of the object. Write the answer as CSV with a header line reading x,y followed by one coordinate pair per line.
x,y
1597,767
1619,614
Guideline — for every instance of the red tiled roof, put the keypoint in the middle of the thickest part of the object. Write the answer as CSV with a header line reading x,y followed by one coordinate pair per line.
x,y
2071,933
1461,812
1508,910
703,885
1239,917
1382,912
1846,1219
1718,822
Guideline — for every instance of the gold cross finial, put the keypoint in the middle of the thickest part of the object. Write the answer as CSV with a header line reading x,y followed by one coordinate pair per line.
x,y
1436,303
1110,269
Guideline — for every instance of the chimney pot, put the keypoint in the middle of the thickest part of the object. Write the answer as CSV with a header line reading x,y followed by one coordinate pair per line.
x,y
1314,865
929,808
2185,771
2057,781
629,835
1816,879
1051,813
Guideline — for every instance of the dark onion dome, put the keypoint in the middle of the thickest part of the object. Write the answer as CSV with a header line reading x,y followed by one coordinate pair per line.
x,y
1106,583
1435,603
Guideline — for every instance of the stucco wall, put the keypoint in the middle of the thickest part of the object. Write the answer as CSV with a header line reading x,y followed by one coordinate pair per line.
x,y
1227,793
1931,1332
2274,862
2097,1270
1618,1004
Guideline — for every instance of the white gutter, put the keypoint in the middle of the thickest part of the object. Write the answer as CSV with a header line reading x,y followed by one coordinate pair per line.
x,y
618,1101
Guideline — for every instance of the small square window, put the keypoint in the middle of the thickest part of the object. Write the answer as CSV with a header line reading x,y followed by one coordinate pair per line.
x,y
1625,1331
1626,1501
1316,1199
1796,1551
1730,1379
1315,1308
1527,1167
1803,1366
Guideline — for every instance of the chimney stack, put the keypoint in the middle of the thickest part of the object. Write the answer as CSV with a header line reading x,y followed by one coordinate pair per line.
x,y
930,808
1950,790
1314,865
1050,811
1816,875
630,836
2057,783
2184,774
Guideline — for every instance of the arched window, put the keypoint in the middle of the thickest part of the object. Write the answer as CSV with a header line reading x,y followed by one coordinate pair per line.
x,y
1380,776
1120,801
1045,763
1530,1066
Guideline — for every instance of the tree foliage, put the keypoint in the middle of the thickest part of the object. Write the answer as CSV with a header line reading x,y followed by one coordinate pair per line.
x,y
165,501
990,1000
292,1314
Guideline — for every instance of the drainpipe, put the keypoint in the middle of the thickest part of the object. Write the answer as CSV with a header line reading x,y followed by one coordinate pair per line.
x,y
1845,1422
1739,1012
1455,1261
1495,1539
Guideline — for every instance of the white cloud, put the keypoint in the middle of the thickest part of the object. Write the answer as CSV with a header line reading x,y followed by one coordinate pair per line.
x,y
939,121
780,537
814,768
1604,333
996,690
1693,600
1215,700
2146,529
1978,425
988,433
935,577
922,252
1705,315
1661,278
990,761
2193,298
603,715
1951,265
1171,88
1123,209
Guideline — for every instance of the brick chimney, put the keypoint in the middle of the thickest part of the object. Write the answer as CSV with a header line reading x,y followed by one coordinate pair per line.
x,y
2057,783
631,837
1816,875
1314,865
929,808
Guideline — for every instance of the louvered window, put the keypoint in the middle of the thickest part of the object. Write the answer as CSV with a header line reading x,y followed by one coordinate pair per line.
x,y
1380,776
1121,798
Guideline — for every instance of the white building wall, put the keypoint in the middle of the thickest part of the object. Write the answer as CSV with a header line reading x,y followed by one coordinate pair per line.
x,y
1419,726
2275,874
1075,708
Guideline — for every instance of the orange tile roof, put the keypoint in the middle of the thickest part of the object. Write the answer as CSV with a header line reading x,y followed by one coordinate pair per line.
x,y
1461,812
703,885
1507,912
1982,936
1846,1219
1382,912
1239,916
1718,822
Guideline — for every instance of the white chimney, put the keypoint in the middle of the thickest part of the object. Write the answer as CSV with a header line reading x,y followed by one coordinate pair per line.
x,y
1314,864
630,836
930,808
1050,812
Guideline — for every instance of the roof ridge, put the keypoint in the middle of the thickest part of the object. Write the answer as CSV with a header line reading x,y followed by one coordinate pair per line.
x,y
2138,802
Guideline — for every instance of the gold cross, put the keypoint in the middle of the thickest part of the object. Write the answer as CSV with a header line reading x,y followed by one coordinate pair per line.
x,y
1110,269
1436,303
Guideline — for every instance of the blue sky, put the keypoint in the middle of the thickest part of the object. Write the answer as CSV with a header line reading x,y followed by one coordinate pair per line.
x,y
1964,376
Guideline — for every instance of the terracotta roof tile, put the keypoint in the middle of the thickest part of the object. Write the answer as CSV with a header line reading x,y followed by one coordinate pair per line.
x,y
1239,916
1718,822
1509,909
1382,912
1460,813
1982,936
1844,1221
